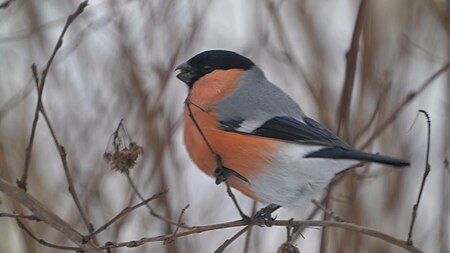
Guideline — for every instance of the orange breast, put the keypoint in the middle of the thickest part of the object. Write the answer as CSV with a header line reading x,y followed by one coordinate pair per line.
x,y
244,154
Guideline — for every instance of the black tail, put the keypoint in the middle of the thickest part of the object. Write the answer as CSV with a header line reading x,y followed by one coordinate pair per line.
x,y
341,153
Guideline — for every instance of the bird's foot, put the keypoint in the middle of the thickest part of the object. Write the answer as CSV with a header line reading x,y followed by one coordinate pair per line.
x,y
264,216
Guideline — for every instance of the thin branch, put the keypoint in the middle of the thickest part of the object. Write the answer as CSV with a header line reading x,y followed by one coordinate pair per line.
x,y
6,4
424,178
43,242
233,198
216,156
46,216
350,71
231,240
127,210
249,234
40,83
375,112
152,212
408,99
22,216
178,226
283,223
22,183
327,211
63,156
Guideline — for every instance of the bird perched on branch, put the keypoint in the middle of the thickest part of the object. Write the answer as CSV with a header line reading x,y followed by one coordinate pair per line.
x,y
240,127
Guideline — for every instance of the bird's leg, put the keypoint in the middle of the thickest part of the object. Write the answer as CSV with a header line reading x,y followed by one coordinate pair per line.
x,y
222,173
233,198
263,216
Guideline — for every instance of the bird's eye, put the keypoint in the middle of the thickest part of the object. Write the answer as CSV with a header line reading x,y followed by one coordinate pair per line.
x,y
206,69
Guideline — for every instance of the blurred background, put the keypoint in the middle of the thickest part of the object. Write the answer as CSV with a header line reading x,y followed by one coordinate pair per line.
x,y
117,61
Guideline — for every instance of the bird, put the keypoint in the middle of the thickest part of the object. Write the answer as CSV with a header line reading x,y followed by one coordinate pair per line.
x,y
241,128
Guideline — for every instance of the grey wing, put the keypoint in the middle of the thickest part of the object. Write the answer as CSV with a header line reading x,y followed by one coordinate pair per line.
x,y
254,102
260,108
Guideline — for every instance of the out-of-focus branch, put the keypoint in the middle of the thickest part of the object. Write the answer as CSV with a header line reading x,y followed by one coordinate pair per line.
x,y
350,72
424,178
6,4
22,216
408,99
46,216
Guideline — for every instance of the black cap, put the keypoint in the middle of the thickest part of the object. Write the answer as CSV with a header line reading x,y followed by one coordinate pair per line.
x,y
208,61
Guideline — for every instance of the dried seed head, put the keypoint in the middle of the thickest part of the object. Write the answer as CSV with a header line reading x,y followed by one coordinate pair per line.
x,y
123,160
288,248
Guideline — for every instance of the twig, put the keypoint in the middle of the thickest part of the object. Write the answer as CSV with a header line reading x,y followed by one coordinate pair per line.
x,y
188,103
249,234
46,216
63,156
22,183
22,216
43,242
126,211
233,198
424,178
216,156
408,99
298,232
178,226
152,212
327,211
375,112
284,223
231,240
6,4
350,71
447,165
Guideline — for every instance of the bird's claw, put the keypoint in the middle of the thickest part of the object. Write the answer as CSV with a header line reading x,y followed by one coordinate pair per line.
x,y
264,216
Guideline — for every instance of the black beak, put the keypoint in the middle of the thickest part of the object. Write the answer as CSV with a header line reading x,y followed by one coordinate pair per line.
x,y
186,74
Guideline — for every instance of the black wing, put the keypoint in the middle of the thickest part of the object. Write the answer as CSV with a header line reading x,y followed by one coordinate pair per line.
x,y
311,132
290,129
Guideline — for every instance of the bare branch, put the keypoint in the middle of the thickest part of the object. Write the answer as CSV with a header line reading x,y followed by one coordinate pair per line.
x,y
408,99
424,178
126,211
327,211
231,240
43,242
152,212
22,216
350,71
22,183
46,216
178,227
284,223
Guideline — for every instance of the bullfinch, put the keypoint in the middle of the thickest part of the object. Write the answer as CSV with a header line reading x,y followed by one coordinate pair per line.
x,y
264,143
